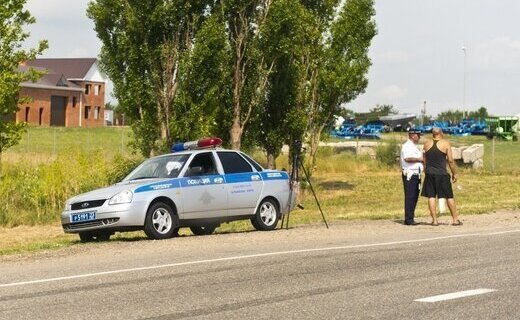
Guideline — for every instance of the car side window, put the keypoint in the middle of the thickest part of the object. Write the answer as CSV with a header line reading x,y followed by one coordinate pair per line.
x,y
202,164
232,162
252,162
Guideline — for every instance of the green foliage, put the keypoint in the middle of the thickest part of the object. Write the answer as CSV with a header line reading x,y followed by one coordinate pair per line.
x,y
146,45
450,115
480,114
341,66
244,20
10,134
457,115
387,152
384,110
120,167
205,95
13,17
285,41
37,192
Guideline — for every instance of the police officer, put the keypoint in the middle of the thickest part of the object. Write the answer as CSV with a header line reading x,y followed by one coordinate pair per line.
x,y
412,166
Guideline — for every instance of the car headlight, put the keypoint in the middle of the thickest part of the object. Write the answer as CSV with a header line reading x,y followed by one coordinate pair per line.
x,y
68,205
121,197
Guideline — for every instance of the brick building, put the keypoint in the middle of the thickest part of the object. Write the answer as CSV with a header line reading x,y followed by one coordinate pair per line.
x,y
70,94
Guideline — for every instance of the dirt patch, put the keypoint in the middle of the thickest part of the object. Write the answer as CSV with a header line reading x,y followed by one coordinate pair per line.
x,y
21,235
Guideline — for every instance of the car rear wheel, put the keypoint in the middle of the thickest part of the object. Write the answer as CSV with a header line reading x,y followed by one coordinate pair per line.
x,y
266,216
160,221
202,231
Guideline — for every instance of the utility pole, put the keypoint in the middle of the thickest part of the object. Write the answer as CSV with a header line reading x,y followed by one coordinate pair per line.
x,y
464,89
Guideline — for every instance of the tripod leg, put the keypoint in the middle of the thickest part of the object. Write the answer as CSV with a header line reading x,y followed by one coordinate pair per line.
x,y
293,177
314,194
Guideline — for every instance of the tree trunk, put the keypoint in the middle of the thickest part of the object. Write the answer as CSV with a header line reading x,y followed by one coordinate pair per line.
x,y
235,134
271,160
315,142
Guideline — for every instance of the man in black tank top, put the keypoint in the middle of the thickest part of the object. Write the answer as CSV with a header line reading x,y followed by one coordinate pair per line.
x,y
437,156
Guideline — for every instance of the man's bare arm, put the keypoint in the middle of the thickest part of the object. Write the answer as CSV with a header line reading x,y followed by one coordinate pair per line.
x,y
451,162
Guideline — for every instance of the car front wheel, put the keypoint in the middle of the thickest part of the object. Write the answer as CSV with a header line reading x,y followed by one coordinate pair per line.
x,y
160,222
266,216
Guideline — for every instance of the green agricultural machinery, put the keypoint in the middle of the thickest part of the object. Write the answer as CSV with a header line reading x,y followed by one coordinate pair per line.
x,y
505,128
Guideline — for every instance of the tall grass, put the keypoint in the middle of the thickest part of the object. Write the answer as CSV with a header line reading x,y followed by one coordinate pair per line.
x,y
35,194
33,187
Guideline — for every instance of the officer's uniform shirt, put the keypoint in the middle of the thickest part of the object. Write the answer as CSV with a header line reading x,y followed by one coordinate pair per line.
x,y
410,150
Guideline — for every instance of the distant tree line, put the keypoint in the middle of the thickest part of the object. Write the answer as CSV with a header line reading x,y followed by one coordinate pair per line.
x,y
457,115
255,72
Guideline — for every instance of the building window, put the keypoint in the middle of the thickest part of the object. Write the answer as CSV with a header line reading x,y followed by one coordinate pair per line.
x,y
74,101
97,110
27,109
97,89
41,117
87,88
87,111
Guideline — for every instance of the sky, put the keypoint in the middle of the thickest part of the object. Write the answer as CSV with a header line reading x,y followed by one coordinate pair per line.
x,y
416,56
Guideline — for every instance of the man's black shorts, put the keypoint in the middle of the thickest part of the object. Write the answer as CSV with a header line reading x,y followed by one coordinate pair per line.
x,y
437,185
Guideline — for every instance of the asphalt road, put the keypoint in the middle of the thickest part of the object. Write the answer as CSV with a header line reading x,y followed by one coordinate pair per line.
x,y
347,272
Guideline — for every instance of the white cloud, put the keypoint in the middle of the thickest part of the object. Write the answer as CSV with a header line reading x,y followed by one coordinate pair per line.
x,y
393,92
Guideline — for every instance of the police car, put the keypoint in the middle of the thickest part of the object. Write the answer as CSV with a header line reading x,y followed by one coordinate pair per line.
x,y
198,185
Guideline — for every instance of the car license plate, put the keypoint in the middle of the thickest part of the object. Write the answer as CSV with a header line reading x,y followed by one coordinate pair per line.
x,y
84,216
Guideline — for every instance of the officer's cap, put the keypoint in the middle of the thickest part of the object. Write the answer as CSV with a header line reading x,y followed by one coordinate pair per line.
x,y
413,131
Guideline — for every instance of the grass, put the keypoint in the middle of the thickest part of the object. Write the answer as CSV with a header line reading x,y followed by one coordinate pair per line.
x,y
46,143
39,176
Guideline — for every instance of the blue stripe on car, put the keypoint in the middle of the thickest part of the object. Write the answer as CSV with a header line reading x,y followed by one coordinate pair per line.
x,y
169,184
213,179
275,175
242,177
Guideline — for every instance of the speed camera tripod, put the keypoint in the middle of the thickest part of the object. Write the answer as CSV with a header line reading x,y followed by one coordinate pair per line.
x,y
294,178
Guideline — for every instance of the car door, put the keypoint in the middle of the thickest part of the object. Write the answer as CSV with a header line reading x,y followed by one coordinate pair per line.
x,y
243,184
203,190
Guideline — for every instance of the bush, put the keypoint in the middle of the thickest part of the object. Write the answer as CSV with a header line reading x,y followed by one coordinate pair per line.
x,y
387,153
121,167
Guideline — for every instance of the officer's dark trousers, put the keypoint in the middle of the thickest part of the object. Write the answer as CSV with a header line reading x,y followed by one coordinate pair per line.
x,y
411,194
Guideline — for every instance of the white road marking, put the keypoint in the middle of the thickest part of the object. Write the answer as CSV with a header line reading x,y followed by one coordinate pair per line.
x,y
455,295
268,254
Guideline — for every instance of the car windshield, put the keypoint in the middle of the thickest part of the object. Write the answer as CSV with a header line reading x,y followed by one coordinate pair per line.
x,y
158,168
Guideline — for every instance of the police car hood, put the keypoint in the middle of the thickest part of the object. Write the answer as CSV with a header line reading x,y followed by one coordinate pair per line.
x,y
109,192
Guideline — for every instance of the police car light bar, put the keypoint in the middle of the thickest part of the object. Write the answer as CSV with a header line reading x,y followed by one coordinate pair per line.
x,y
197,144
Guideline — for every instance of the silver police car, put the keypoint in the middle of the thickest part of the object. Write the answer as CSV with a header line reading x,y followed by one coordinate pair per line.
x,y
199,189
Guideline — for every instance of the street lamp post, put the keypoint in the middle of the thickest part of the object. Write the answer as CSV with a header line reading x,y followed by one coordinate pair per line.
x,y
423,112
464,89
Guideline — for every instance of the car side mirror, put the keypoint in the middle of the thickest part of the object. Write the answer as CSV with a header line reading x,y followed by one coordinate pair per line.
x,y
196,171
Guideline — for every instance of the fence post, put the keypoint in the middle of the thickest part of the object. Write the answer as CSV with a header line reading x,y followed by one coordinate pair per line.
x,y
122,140
493,154
54,142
